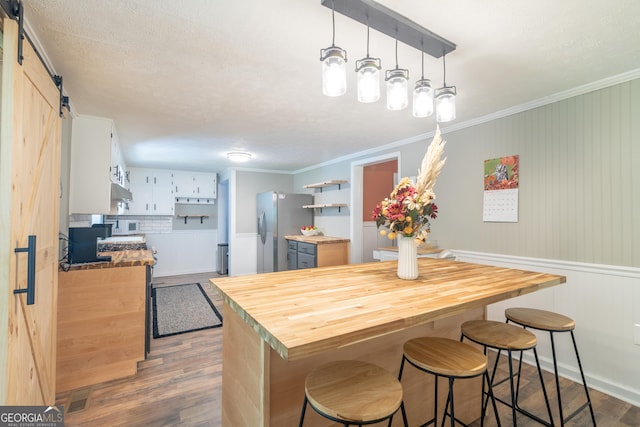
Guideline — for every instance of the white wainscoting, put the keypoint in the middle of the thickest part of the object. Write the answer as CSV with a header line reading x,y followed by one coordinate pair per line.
x,y
243,254
604,300
184,252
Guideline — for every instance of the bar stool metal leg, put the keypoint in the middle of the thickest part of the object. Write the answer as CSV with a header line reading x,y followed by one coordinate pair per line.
x,y
462,361
563,420
553,323
501,336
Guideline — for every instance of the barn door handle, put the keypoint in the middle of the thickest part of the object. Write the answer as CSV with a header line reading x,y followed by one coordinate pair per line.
x,y
31,271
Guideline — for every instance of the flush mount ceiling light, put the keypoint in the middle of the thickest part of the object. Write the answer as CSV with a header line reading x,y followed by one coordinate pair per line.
x,y
397,86
368,70
423,96
239,156
445,99
334,71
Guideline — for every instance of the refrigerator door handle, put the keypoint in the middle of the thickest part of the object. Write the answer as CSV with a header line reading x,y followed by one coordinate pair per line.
x,y
262,229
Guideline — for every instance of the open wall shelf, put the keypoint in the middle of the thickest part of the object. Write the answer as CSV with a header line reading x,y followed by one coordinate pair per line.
x,y
326,205
187,216
321,185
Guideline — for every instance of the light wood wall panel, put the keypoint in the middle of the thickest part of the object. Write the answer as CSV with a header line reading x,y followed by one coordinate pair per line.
x,y
579,181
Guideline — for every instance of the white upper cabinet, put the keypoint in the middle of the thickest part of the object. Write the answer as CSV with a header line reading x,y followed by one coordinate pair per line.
x,y
118,165
194,187
152,192
183,183
205,184
95,154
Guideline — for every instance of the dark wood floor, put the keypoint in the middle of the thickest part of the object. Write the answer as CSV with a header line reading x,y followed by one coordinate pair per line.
x,y
180,385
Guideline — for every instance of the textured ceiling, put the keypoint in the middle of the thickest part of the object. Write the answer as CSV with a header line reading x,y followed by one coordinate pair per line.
x,y
187,81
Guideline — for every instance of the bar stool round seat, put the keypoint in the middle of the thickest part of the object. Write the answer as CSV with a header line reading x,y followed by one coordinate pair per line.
x,y
352,392
444,357
540,319
499,335
552,322
506,337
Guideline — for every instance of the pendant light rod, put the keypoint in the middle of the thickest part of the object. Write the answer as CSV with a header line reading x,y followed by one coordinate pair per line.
x,y
422,68
396,52
367,38
388,22
333,25
444,70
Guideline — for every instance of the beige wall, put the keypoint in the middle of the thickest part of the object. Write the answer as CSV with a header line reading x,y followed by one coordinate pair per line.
x,y
248,184
579,181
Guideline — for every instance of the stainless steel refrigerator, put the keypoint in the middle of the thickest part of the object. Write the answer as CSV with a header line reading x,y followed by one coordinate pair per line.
x,y
279,215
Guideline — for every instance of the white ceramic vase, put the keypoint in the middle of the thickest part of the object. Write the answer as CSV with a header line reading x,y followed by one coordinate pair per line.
x,y
407,258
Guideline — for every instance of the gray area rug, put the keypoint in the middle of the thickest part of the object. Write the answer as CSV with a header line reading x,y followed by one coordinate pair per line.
x,y
182,308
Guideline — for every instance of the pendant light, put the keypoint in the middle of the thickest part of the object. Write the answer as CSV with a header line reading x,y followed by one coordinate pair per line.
x,y
334,71
445,99
397,86
368,72
423,96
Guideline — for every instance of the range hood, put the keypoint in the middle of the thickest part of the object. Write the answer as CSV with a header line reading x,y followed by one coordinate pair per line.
x,y
119,193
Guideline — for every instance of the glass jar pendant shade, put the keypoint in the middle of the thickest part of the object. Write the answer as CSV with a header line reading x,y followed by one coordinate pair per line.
x,y
334,70
397,86
368,80
423,96
446,104
397,89
423,99
445,99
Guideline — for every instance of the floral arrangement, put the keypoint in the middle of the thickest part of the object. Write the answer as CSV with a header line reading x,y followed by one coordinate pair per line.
x,y
409,207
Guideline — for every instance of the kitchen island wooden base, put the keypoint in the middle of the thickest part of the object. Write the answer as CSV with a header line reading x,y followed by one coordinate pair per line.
x,y
279,326
260,388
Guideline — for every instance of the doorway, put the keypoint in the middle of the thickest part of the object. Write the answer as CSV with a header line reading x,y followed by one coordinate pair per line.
x,y
364,233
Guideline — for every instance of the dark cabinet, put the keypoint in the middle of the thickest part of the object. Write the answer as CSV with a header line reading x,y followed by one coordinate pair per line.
x,y
323,252
301,255
292,255
307,255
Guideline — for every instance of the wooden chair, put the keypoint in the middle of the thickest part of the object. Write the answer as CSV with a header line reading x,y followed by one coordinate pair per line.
x,y
505,337
552,322
352,392
450,359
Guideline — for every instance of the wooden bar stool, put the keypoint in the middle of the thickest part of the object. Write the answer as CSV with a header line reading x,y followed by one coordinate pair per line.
x,y
552,322
451,359
352,392
503,336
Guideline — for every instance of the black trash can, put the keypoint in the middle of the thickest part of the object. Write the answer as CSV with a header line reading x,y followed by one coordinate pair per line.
x,y
223,258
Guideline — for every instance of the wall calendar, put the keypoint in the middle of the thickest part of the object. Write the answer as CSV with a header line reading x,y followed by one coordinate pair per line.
x,y
500,203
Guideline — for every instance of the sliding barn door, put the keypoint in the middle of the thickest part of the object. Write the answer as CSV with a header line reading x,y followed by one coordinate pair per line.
x,y
30,184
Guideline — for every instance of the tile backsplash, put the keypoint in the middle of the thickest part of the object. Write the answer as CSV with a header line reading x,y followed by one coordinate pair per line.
x,y
148,224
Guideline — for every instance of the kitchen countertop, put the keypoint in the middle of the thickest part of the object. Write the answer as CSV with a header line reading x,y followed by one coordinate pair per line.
x,y
300,314
317,240
125,258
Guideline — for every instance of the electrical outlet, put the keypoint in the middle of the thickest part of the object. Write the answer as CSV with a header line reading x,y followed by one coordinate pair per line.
x,y
636,334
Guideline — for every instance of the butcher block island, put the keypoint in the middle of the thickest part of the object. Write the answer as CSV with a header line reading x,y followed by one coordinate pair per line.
x,y
279,326
102,319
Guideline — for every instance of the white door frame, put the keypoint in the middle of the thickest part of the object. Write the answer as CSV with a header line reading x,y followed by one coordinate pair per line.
x,y
357,184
